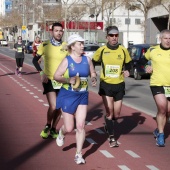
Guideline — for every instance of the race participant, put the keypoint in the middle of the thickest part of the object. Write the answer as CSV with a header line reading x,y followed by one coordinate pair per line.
x,y
115,63
53,52
160,82
19,47
73,96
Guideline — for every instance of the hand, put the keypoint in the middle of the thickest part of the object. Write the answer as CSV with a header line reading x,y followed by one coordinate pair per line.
x,y
44,78
94,81
149,69
126,73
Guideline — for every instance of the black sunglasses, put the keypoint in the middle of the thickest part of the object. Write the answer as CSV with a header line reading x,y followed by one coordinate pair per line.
x,y
112,35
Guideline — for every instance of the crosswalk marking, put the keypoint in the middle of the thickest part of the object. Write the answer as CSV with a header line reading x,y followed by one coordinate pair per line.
x,y
151,167
123,167
133,154
106,154
91,141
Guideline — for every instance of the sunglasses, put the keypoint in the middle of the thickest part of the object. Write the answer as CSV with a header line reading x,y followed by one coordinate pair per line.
x,y
113,35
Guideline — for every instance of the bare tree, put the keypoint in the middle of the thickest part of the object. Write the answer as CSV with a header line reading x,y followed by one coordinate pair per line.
x,y
166,5
144,6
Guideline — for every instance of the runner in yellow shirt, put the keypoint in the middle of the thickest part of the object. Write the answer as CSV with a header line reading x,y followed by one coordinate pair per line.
x,y
115,62
160,82
53,52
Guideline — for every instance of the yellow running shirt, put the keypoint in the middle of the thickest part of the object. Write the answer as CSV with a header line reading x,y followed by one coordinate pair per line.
x,y
112,62
160,61
52,56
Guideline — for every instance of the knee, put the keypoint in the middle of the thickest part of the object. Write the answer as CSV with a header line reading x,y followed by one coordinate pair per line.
x,y
69,129
80,127
52,107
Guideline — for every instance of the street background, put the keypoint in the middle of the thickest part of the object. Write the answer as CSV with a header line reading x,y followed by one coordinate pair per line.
x,y
23,115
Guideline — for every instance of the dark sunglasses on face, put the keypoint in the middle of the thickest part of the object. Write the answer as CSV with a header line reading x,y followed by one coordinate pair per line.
x,y
113,35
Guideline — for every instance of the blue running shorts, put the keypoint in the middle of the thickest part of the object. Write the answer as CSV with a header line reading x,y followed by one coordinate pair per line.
x,y
68,100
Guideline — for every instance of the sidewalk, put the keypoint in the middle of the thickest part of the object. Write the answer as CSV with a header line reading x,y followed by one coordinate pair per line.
x,y
23,115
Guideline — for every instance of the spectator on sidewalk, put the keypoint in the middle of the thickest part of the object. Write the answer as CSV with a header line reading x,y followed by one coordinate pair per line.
x,y
53,52
72,100
160,82
35,46
19,48
115,64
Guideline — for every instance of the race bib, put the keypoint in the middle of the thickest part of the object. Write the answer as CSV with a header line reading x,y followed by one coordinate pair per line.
x,y
55,84
112,71
19,49
167,91
83,84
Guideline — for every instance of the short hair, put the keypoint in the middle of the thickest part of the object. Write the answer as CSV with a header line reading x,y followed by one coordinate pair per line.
x,y
107,29
58,24
20,37
164,31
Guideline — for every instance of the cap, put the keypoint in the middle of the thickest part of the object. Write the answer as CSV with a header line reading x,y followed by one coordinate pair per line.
x,y
113,31
74,38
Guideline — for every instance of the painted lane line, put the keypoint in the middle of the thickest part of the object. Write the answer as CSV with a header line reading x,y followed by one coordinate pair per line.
x,y
40,100
151,167
131,153
31,92
88,123
31,85
27,89
106,154
99,131
91,141
36,97
39,90
24,87
35,87
46,104
123,167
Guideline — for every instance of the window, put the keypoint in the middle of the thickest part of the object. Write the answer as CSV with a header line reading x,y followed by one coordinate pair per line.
x,y
127,21
137,21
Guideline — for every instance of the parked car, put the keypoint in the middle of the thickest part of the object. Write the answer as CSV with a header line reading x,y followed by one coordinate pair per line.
x,y
28,47
3,43
136,52
89,49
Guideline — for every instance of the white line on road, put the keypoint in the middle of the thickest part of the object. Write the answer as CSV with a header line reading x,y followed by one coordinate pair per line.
x,y
36,97
46,104
133,154
40,100
91,141
123,167
99,131
106,154
151,167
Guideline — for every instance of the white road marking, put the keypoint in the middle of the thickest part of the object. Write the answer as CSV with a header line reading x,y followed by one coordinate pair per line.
x,y
88,123
31,93
24,87
133,154
123,167
36,97
40,100
27,89
151,167
106,154
99,131
46,104
91,141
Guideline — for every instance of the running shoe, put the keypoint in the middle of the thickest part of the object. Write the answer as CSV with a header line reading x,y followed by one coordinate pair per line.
x,y
60,139
19,74
53,133
160,140
112,142
79,159
45,132
156,132
16,71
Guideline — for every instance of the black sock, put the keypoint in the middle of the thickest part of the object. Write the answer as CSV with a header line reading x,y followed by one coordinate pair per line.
x,y
109,125
49,125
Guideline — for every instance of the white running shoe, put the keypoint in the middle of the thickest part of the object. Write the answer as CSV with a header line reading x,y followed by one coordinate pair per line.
x,y
79,159
60,139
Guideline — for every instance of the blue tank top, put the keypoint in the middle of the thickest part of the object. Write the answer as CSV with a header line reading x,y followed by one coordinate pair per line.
x,y
82,68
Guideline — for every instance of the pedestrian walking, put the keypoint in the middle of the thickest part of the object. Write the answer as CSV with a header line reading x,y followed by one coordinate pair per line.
x,y
115,65
53,52
159,56
19,48
72,99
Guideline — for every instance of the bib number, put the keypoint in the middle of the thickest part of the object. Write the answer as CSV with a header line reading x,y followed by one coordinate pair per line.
x,y
112,71
83,84
55,84
167,91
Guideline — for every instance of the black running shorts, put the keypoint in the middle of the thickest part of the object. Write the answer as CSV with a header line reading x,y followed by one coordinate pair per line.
x,y
49,88
117,91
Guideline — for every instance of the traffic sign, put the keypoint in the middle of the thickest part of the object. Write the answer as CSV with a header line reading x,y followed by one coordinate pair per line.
x,y
24,27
